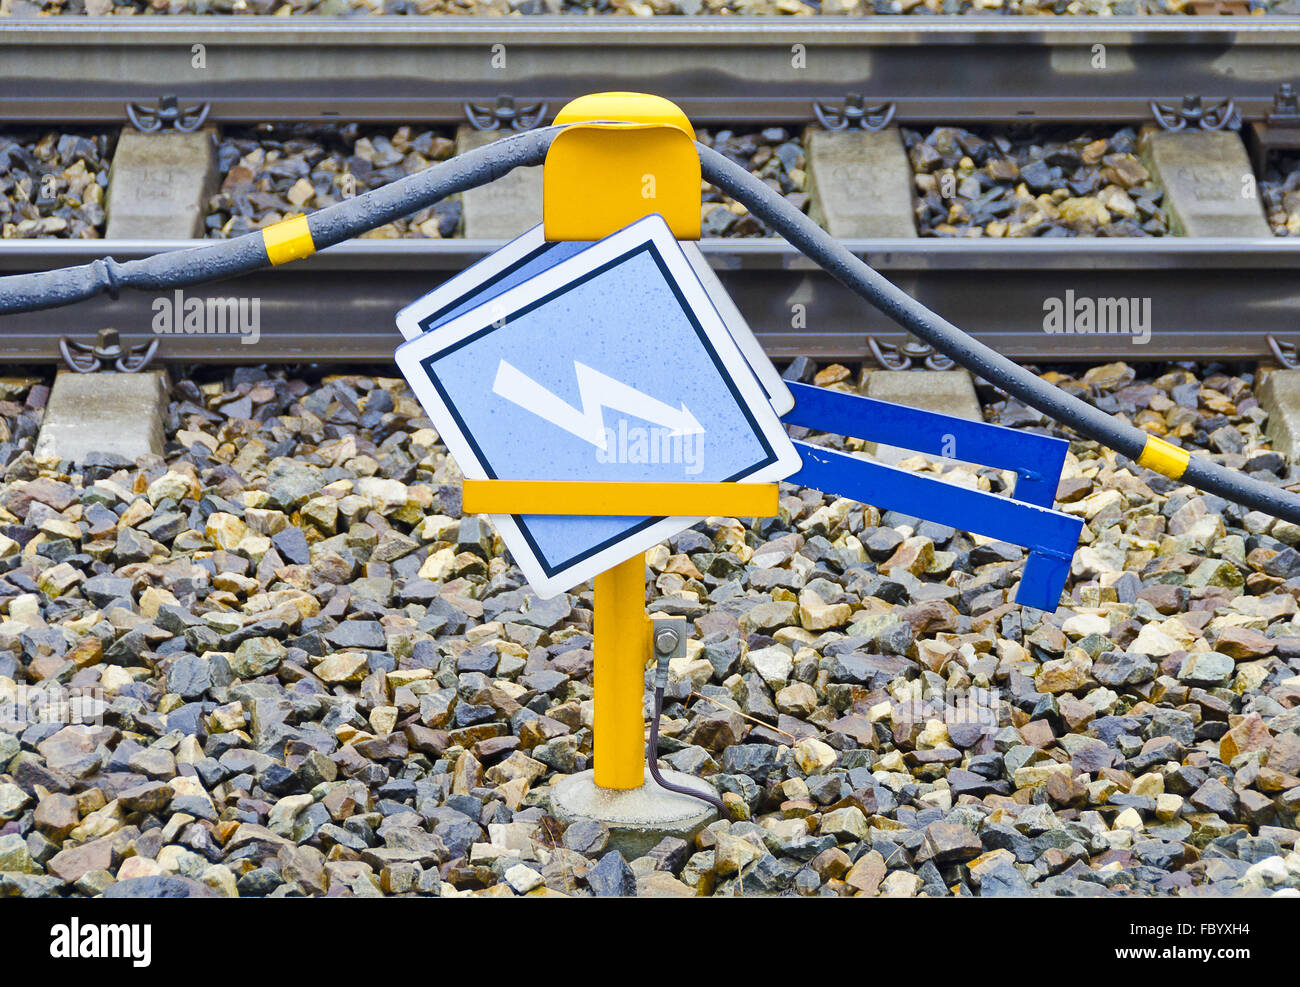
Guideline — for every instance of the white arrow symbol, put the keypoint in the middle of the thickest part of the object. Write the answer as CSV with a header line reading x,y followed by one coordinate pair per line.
x,y
596,391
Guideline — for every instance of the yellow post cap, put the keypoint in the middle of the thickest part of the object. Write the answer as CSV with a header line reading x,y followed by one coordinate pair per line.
x,y
638,108
622,157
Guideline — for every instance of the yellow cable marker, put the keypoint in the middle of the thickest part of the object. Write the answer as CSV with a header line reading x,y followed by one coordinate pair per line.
x,y
620,499
288,240
1164,457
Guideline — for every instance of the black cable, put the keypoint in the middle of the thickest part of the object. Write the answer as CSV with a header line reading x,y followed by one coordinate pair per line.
x,y
227,258
652,756
333,224
769,206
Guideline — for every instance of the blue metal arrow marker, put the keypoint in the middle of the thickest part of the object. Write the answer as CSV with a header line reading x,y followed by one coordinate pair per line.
x,y
1028,520
1036,459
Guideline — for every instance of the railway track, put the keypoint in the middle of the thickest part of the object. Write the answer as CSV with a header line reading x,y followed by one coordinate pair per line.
x,y
647,9
996,290
270,586
760,72
732,70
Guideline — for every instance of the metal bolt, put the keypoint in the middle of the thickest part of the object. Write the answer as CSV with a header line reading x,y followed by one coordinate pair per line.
x,y
666,641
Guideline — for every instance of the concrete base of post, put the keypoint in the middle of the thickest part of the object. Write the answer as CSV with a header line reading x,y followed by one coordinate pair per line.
x,y
638,818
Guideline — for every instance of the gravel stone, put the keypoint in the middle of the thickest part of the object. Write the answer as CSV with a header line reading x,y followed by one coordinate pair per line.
x,y
292,708
1046,182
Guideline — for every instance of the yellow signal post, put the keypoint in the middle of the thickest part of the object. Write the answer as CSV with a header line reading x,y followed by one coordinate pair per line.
x,y
622,628
622,157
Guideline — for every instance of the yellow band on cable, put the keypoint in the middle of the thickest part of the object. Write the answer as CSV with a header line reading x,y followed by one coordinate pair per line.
x,y
1164,457
288,240
575,497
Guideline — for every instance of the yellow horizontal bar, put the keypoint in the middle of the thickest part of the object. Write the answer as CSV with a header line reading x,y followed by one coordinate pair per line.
x,y
619,499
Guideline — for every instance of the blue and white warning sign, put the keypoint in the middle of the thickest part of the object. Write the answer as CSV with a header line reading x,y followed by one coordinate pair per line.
x,y
611,364
531,253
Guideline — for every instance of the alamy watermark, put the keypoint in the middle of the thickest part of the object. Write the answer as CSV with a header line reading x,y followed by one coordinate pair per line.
x,y
54,703
637,444
1083,315
973,705
176,314
102,941
675,437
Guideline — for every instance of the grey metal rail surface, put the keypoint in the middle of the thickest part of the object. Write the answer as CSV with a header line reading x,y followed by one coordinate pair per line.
x,y
1206,299
718,69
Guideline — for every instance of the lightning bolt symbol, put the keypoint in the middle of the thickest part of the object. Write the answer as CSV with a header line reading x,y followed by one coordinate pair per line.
x,y
596,392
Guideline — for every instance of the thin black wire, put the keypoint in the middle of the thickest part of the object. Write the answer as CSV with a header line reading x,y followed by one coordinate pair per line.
x,y
769,206
652,760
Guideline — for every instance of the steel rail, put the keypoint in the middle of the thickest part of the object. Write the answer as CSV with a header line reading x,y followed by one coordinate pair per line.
x,y
1208,299
342,221
718,69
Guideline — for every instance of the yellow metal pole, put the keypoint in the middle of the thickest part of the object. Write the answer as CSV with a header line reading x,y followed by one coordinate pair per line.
x,y
597,179
622,629
602,175
622,632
